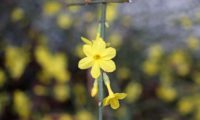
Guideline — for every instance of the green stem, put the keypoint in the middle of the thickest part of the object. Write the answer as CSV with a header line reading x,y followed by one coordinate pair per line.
x,y
102,34
100,97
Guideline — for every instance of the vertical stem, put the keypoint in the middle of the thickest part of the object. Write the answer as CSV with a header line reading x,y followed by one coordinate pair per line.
x,y
102,33
100,97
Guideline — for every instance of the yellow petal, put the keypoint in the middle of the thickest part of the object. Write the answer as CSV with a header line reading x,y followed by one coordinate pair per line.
x,y
87,49
114,104
86,41
99,44
109,53
106,101
120,95
85,63
95,72
108,66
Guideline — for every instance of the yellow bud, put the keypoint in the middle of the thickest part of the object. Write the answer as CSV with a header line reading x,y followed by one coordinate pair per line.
x,y
86,41
94,88
106,79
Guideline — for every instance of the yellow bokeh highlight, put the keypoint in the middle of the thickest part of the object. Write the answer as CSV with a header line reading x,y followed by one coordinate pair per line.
x,y
181,61
166,93
155,51
115,40
40,90
133,90
74,9
22,104
123,73
186,22
51,7
111,13
16,61
84,115
17,14
196,77
80,94
54,65
61,92
197,113
193,42
151,68
185,106
78,51
65,117
2,78
47,117
64,21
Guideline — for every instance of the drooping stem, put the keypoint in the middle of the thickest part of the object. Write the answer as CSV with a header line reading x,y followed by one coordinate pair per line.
x,y
102,34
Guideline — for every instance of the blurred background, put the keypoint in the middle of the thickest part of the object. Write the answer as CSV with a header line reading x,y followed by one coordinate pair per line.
x,y
158,60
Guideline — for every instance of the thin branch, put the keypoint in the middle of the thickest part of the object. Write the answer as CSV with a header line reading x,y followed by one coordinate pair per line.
x,y
90,2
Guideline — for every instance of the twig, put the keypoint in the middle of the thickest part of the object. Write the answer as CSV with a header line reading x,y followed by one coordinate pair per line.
x,y
90,2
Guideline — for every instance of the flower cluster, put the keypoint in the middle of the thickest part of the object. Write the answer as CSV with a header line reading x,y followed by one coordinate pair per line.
x,y
99,59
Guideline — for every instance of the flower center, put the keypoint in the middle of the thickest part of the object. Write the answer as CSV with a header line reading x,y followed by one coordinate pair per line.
x,y
96,57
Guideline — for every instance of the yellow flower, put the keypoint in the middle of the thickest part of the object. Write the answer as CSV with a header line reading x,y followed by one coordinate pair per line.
x,y
113,98
97,56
